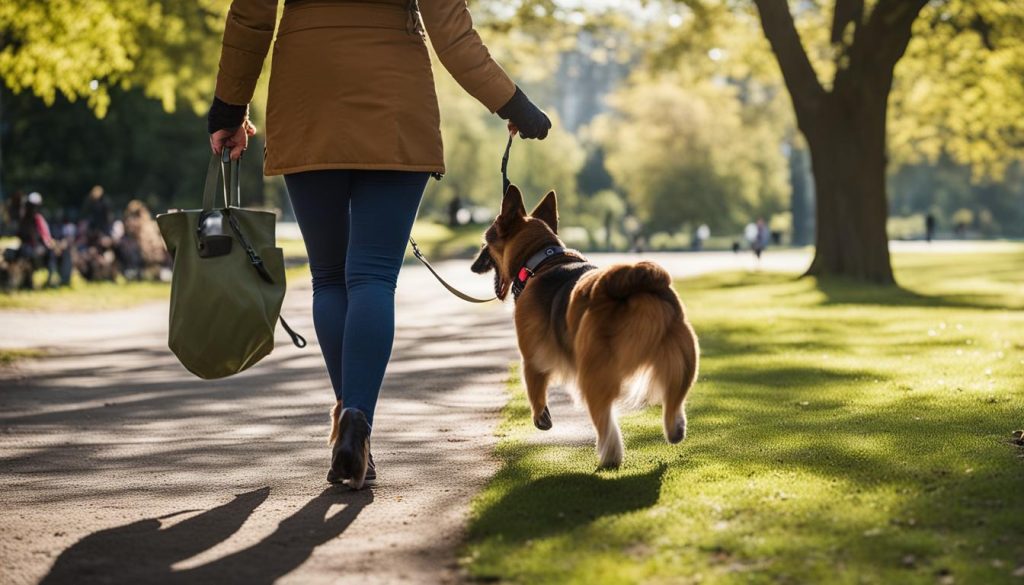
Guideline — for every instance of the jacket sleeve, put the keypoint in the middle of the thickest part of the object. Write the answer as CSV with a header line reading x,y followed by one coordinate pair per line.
x,y
462,52
248,32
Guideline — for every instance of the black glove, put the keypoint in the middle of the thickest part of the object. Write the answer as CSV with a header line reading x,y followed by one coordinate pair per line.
x,y
531,121
225,116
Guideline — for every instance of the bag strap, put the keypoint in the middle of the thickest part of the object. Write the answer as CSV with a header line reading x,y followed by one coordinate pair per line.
x,y
298,340
214,172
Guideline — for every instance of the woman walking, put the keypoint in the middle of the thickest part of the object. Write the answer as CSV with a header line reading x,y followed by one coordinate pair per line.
x,y
353,125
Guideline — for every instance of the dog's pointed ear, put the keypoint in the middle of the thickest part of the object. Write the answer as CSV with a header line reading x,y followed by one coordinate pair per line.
x,y
547,211
513,210
512,203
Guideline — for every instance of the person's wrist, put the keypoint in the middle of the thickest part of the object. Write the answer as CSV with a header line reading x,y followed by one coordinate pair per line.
x,y
514,106
225,116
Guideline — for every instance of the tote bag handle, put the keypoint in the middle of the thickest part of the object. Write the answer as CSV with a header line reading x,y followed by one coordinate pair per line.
x,y
231,183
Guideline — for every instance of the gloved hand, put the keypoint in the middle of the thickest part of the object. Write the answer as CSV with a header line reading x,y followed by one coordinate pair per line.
x,y
229,127
524,116
225,116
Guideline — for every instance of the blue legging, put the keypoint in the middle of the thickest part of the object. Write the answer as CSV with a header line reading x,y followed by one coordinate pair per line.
x,y
356,224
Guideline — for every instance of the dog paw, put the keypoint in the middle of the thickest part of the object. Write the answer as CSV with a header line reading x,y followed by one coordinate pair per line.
x,y
678,431
543,422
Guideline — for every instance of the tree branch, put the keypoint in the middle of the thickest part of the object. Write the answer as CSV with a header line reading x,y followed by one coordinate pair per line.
x,y
846,11
888,30
797,71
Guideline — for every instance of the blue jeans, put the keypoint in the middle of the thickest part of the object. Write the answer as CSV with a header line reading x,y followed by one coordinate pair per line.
x,y
356,224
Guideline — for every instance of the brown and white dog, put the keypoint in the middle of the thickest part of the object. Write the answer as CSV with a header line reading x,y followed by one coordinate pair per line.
x,y
599,327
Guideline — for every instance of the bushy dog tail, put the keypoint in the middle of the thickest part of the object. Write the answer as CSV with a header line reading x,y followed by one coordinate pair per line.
x,y
623,281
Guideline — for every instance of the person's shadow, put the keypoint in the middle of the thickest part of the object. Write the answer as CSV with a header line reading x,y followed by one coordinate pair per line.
x,y
143,552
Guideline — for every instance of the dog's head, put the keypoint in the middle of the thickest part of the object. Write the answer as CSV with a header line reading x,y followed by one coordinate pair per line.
x,y
511,233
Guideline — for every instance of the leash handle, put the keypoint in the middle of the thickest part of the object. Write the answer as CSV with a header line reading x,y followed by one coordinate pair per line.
x,y
504,165
419,256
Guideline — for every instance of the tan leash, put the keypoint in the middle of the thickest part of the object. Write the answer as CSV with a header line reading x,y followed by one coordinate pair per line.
x,y
419,254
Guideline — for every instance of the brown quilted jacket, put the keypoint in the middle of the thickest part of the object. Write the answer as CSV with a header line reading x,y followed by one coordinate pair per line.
x,y
351,85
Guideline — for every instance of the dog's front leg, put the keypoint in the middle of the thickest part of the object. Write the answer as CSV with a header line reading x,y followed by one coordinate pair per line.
x,y
537,391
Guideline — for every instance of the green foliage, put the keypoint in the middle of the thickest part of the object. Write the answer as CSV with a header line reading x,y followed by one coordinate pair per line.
x,y
944,187
81,49
685,152
838,434
910,227
960,88
474,142
958,92
138,151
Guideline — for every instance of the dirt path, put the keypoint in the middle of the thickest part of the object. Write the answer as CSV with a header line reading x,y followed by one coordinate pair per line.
x,y
119,467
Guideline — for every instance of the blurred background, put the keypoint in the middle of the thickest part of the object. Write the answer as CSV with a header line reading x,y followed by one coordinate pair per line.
x,y
674,127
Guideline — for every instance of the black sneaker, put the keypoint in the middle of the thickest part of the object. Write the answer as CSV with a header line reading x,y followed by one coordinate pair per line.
x,y
371,474
350,458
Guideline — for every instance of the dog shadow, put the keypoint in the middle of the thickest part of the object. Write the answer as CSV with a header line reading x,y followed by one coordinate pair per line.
x,y
144,551
560,503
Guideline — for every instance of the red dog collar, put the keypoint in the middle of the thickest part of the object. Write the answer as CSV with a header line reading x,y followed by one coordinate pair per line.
x,y
532,265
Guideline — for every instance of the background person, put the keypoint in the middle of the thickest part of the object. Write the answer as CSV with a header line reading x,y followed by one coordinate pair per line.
x,y
37,245
141,251
353,125
95,214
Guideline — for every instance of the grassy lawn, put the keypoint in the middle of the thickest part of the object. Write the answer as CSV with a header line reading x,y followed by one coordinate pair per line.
x,y
838,434
439,241
9,356
85,296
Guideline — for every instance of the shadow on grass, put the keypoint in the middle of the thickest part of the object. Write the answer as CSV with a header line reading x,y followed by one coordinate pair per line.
x,y
839,291
989,282
145,551
563,502
790,377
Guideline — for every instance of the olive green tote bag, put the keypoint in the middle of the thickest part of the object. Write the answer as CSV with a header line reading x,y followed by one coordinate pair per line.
x,y
228,280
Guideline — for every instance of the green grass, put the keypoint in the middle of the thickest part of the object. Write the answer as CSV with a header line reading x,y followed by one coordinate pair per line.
x,y
439,241
85,296
838,434
9,356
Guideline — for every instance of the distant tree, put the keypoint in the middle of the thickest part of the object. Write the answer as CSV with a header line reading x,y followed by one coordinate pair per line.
x,y
845,119
137,151
872,82
691,155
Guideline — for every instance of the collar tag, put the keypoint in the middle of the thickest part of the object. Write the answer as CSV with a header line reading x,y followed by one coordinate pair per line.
x,y
524,274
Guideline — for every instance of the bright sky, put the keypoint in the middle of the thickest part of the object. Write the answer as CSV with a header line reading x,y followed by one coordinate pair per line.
x,y
641,10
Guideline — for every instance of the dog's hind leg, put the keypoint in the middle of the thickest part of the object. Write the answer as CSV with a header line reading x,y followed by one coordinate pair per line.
x,y
599,392
537,391
675,371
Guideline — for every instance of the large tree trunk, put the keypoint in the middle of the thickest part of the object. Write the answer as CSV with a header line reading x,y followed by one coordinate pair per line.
x,y
846,136
845,128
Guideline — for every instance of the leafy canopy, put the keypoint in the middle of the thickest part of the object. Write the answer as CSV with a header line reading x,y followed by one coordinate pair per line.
x,y
82,48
